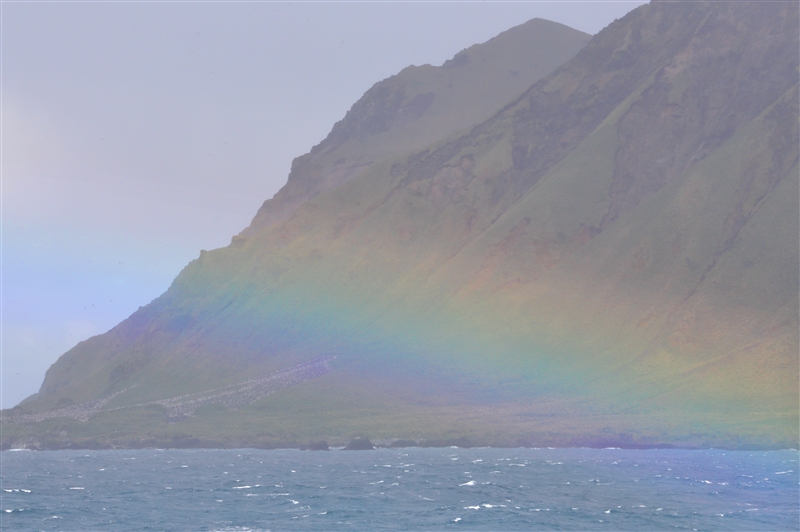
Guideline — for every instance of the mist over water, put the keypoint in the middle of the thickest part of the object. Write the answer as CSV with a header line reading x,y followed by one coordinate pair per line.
x,y
400,489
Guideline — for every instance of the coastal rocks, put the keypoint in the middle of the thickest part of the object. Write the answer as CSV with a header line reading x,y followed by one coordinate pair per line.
x,y
403,443
359,444
316,446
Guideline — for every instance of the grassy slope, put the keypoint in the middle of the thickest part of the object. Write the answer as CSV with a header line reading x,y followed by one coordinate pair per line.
x,y
462,304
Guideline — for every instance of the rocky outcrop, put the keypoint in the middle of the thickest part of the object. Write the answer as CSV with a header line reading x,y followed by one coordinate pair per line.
x,y
359,444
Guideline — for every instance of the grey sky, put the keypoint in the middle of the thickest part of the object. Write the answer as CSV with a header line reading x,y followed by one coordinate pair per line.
x,y
135,134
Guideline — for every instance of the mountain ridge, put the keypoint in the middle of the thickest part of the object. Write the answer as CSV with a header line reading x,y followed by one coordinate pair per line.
x,y
393,107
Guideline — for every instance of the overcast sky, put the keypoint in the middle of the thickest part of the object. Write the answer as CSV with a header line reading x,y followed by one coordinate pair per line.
x,y
136,134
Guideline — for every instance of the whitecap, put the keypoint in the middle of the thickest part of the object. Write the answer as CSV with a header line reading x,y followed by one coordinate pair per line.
x,y
470,483
23,490
784,472
76,488
472,507
457,519
294,501
241,487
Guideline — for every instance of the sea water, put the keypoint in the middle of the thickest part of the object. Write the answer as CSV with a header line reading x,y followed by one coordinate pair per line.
x,y
400,489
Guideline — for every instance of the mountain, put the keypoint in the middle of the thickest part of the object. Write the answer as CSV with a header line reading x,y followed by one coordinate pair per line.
x,y
608,257
422,105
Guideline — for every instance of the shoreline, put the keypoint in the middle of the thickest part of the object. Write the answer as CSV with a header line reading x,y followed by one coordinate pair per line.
x,y
341,445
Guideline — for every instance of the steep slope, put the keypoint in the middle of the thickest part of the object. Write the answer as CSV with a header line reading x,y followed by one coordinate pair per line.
x,y
421,105
612,258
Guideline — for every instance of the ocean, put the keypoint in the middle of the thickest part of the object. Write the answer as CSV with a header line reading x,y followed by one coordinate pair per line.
x,y
400,489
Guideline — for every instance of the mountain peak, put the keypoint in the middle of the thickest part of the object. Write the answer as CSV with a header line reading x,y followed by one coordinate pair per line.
x,y
421,105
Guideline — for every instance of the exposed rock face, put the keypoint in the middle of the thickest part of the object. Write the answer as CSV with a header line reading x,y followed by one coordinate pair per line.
x,y
609,259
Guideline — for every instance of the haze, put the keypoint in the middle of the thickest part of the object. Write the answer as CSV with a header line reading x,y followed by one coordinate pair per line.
x,y
134,135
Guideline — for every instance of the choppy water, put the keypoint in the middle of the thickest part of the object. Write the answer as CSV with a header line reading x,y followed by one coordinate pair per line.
x,y
400,489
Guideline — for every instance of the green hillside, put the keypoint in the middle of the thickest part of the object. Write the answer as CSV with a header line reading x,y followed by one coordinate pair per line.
x,y
606,255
